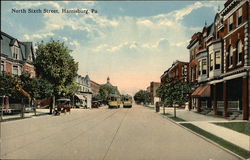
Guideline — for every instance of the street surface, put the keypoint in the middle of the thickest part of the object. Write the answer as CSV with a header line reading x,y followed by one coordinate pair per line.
x,y
110,134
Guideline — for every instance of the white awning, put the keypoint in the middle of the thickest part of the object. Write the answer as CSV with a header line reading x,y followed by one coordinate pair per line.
x,y
80,96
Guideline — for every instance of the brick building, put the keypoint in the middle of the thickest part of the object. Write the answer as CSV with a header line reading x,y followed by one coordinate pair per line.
x,y
178,71
16,56
219,63
95,87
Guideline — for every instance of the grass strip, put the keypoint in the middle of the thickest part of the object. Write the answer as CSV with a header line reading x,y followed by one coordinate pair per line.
x,y
12,119
177,119
242,127
41,114
230,146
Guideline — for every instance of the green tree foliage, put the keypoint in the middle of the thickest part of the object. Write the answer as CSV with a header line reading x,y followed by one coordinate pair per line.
x,y
106,90
36,87
173,92
7,84
55,64
142,96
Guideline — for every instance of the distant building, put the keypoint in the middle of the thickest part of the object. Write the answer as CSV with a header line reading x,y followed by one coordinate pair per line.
x,y
178,71
153,87
84,95
116,88
95,87
16,56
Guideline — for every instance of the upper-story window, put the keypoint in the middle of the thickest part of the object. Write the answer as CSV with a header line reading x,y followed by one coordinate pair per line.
x,y
230,23
239,19
211,61
30,57
15,70
199,68
15,53
2,66
204,66
217,60
239,52
230,56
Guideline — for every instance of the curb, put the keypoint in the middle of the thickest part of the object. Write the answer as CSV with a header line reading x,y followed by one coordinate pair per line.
x,y
206,139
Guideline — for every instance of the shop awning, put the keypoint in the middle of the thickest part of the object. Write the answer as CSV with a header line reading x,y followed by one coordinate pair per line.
x,y
202,91
81,97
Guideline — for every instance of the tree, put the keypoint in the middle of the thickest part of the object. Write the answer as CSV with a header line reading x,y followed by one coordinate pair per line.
x,y
55,64
142,96
36,87
106,90
8,86
173,93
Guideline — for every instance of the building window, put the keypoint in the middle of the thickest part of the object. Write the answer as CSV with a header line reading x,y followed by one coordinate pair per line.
x,y
30,57
230,56
15,70
211,61
217,60
239,52
204,66
15,52
199,68
230,23
2,66
239,16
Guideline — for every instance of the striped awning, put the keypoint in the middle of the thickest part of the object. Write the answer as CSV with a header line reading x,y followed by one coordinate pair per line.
x,y
81,97
202,91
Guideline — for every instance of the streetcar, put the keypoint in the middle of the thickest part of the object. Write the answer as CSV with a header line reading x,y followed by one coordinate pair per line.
x,y
127,101
114,101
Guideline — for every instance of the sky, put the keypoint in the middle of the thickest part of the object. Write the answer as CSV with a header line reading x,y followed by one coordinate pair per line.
x,y
131,42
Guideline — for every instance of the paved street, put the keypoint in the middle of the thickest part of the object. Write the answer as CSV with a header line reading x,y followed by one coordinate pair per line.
x,y
97,134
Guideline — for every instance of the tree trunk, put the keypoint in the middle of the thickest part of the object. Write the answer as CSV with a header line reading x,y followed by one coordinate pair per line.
x,y
164,110
174,111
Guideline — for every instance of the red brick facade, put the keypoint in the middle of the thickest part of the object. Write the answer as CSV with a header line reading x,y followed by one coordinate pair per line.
x,y
225,47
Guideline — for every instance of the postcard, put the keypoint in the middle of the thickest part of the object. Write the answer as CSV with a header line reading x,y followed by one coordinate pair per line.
x,y
125,80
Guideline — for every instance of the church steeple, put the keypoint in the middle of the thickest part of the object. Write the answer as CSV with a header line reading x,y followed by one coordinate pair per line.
x,y
108,80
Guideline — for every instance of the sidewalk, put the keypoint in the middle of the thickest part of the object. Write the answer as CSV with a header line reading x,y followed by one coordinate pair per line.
x,y
39,112
206,123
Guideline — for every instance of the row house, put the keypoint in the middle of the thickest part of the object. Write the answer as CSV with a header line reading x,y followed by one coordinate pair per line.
x,y
16,56
219,63
83,97
178,71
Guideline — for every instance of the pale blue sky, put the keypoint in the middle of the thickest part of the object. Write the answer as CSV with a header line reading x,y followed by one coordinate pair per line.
x,y
131,42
